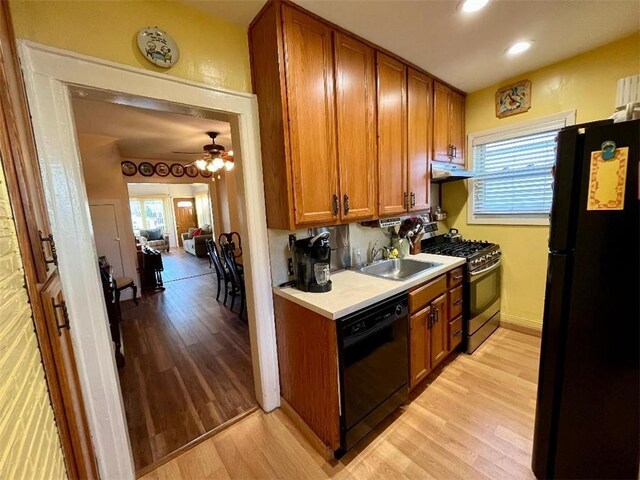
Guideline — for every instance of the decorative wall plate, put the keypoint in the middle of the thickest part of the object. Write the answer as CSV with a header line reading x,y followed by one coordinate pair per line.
x,y
177,170
128,168
513,99
206,173
191,171
158,47
145,169
162,169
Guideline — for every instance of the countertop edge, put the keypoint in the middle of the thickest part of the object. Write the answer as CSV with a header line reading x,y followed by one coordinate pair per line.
x,y
399,288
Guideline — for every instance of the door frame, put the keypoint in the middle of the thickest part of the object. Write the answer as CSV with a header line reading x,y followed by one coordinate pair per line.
x,y
174,205
49,74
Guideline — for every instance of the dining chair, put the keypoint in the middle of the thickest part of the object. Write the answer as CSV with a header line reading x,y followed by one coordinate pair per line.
x,y
221,270
235,276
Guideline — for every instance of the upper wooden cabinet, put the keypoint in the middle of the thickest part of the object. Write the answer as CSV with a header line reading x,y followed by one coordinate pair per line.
x,y
393,196
448,125
419,138
312,136
347,131
355,91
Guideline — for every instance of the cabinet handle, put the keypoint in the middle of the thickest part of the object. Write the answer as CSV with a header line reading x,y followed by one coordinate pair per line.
x,y
346,204
449,150
436,315
52,246
336,207
457,277
455,151
458,333
63,306
429,320
457,302
413,199
406,200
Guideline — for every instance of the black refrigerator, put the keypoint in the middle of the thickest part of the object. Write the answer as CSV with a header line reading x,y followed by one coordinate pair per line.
x,y
587,421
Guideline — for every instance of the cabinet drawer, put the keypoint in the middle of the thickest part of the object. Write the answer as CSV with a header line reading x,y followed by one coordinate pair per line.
x,y
455,333
455,277
455,301
422,295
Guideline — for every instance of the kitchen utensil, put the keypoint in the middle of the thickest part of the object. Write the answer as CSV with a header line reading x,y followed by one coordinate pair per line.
x,y
439,214
453,235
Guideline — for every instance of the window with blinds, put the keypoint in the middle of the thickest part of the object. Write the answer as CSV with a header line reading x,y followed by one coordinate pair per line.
x,y
513,183
513,176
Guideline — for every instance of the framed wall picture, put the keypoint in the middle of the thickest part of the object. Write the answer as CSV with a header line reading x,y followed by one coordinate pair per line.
x,y
177,170
513,99
145,169
206,173
161,169
191,171
128,168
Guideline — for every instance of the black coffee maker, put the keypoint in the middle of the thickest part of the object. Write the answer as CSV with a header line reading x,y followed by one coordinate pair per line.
x,y
307,253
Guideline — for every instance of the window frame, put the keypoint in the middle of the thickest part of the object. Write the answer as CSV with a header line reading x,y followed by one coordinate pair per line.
x,y
141,199
530,127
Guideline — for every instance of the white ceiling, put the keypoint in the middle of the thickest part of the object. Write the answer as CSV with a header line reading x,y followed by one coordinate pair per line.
x,y
148,134
467,50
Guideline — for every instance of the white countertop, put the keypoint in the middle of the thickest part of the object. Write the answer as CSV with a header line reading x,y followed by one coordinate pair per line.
x,y
352,291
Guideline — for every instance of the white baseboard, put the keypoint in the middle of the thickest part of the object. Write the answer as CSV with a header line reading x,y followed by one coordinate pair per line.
x,y
524,325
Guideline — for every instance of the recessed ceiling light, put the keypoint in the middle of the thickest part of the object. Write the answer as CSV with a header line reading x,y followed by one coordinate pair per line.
x,y
469,6
518,47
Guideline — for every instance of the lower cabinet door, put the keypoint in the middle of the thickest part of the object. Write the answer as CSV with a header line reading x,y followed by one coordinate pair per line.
x,y
438,330
419,347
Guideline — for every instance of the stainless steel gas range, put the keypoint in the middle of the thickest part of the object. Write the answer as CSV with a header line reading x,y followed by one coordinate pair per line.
x,y
481,286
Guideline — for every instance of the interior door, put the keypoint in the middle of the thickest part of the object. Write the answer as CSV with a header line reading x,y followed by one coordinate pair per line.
x,y
356,124
184,209
441,132
392,140
58,325
419,138
312,136
107,236
36,244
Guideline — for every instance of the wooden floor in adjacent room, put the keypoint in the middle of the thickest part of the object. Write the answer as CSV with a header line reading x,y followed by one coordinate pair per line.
x,y
474,421
188,362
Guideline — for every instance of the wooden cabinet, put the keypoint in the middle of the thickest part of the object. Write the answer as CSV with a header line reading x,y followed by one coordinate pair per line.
x,y
438,330
419,346
448,125
309,75
433,331
419,138
347,132
355,91
393,196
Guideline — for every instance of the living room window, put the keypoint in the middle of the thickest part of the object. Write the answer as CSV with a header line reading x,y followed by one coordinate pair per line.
x,y
147,213
513,182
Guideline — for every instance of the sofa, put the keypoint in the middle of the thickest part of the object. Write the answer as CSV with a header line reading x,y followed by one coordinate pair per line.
x,y
194,240
154,238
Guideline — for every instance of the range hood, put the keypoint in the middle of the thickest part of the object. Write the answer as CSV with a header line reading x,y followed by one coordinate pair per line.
x,y
448,172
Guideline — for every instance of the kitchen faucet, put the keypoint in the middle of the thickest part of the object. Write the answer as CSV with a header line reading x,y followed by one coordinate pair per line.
x,y
375,251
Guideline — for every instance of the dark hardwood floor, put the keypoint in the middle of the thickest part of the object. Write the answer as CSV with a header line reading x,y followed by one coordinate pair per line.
x,y
188,363
179,264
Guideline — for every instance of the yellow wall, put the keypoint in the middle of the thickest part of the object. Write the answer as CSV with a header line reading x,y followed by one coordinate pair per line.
x,y
29,444
212,50
585,83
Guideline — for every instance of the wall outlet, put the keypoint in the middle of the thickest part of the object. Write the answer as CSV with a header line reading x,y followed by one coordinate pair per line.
x,y
292,239
290,267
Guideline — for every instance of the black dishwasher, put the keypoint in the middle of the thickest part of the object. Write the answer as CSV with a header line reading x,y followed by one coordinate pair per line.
x,y
374,371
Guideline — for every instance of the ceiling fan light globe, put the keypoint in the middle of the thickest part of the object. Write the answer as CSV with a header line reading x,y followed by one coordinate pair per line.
x,y
228,165
230,153
218,163
211,167
201,164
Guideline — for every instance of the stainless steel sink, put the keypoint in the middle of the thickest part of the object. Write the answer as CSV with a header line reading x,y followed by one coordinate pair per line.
x,y
398,268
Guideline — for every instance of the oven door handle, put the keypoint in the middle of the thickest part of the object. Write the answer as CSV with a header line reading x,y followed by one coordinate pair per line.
x,y
486,270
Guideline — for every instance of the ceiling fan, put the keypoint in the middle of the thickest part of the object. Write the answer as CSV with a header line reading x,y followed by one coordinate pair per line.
x,y
214,156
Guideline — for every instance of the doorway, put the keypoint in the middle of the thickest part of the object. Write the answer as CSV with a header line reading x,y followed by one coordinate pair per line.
x,y
185,211
58,72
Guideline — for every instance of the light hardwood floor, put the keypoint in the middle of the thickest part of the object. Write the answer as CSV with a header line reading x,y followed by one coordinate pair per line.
x,y
474,421
187,362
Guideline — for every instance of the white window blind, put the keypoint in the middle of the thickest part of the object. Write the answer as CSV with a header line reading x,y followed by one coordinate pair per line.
x,y
514,175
